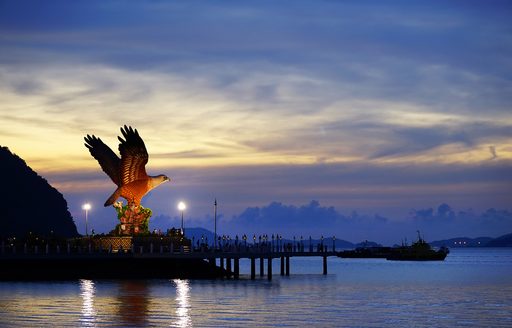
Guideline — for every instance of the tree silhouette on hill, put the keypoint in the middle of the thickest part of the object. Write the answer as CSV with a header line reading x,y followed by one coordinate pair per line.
x,y
28,203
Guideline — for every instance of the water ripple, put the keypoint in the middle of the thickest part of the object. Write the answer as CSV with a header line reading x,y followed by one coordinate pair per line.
x,y
472,289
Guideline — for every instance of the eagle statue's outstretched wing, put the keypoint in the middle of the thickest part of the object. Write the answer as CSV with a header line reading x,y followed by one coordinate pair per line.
x,y
108,160
134,156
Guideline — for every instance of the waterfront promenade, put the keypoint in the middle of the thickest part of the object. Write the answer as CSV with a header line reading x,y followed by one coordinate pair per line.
x,y
225,259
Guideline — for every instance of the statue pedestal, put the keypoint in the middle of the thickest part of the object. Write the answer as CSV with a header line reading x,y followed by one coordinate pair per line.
x,y
171,242
134,219
114,243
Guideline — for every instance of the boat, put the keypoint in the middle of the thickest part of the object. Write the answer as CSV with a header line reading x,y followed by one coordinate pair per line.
x,y
420,250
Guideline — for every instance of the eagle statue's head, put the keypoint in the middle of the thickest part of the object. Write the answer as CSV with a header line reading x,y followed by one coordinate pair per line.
x,y
159,179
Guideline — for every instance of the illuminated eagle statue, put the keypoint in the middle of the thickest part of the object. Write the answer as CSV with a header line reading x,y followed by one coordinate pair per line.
x,y
127,172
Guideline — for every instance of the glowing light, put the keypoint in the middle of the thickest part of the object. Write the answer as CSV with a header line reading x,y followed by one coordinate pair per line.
x,y
182,298
182,206
87,293
86,207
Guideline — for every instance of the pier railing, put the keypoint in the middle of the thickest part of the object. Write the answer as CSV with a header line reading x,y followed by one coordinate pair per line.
x,y
227,256
124,245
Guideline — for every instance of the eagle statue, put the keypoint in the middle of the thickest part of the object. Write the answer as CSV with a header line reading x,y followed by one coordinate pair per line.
x,y
127,172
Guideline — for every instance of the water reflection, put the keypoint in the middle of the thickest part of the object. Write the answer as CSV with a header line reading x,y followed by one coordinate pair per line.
x,y
471,288
183,303
87,290
133,300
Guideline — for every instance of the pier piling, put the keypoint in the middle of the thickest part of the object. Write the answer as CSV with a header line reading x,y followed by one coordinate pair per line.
x,y
287,265
325,264
269,269
282,265
236,264
228,266
253,268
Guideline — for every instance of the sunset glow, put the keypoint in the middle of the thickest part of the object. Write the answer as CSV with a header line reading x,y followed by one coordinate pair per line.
x,y
232,105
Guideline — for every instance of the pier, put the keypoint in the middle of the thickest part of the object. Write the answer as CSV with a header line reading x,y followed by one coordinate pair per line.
x,y
232,261
156,259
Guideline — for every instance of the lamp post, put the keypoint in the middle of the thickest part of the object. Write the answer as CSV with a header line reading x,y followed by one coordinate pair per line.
x,y
215,221
86,207
182,206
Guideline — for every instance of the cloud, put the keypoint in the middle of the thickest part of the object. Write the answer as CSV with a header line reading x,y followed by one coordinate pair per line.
x,y
365,106
291,90
412,140
317,220
354,191
444,211
289,217
418,59
219,127
447,221
389,189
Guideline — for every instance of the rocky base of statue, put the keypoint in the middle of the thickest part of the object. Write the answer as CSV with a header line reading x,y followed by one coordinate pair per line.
x,y
133,219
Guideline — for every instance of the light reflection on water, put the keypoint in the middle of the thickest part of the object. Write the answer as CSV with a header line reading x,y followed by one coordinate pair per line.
x,y
471,288
182,306
87,294
132,303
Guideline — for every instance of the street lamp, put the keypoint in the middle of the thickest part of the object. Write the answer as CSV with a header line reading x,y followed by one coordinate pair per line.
x,y
86,207
182,206
215,222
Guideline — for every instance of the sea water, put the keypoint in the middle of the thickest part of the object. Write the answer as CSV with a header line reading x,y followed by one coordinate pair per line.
x,y
471,288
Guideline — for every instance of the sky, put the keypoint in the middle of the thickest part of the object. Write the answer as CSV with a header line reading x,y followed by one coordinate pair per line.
x,y
374,110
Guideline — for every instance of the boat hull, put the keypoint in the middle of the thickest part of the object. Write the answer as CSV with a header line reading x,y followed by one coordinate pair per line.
x,y
366,253
404,253
439,255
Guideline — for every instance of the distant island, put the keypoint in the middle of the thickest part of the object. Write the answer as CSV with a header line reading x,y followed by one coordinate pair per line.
x,y
29,203
502,241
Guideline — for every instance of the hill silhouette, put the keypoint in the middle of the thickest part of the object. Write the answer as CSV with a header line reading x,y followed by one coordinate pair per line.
x,y
462,242
502,241
29,203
